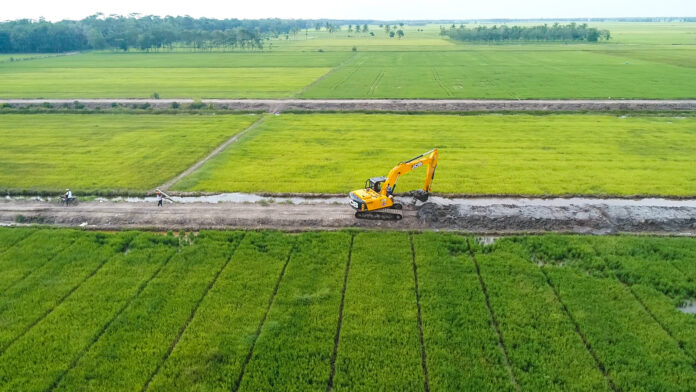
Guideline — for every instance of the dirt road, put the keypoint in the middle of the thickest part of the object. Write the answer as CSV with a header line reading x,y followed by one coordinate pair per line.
x,y
386,105
592,216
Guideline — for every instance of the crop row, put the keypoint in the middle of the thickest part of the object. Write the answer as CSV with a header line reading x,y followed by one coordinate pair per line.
x,y
343,311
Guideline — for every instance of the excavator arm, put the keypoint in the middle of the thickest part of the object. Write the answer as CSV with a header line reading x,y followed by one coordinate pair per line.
x,y
429,158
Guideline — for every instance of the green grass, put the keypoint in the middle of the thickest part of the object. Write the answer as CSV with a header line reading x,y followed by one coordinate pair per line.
x,y
60,337
544,71
546,353
93,153
35,250
4,57
153,320
666,33
490,154
625,337
171,75
379,347
259,310
456,321
301,325
28,299
213,349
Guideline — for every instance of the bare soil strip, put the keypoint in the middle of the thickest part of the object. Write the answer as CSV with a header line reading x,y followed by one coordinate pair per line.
x,y
482,216
383,105
210,156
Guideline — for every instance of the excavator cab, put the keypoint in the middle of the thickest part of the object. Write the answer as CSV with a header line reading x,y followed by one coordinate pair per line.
x,y
375,183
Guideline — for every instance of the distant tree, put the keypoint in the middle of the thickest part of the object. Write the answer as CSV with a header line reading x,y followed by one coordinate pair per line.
x,y
154,33
95,39
391,34
401,24
400,33
555,32
5,42
372,34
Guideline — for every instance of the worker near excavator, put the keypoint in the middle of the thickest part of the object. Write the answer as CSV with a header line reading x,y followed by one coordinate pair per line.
x,y
68,197
160,198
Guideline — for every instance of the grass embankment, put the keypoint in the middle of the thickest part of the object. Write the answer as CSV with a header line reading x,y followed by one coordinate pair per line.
x,y
105,153
254,311
490,154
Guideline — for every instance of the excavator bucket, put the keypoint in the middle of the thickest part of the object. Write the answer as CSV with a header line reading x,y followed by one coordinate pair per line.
x,y
420,195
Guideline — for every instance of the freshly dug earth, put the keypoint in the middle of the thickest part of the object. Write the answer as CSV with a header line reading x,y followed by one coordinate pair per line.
x,y
494,216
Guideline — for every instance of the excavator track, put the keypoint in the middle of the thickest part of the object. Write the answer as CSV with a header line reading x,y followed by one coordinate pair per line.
x,y
382,214
378,215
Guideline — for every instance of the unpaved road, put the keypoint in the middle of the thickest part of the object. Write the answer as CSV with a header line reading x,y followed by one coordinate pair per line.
x,y
498,216
386,105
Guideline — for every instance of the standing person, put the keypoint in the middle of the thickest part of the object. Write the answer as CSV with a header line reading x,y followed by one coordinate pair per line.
x,y
68,197
159,199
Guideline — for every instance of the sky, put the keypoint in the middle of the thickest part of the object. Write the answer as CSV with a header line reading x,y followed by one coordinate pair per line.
x,y
54,10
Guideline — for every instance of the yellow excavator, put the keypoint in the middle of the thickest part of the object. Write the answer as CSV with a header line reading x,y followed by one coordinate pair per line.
x,y
376,201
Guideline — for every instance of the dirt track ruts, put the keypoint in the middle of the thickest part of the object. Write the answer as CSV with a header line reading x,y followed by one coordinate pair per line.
x,y
210,156
386,105
493,217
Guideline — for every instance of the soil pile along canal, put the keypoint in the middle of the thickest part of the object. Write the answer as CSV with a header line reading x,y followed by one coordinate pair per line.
x,y
479,215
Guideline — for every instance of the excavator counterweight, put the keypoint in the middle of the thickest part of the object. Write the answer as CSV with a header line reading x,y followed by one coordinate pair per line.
x,y
375,201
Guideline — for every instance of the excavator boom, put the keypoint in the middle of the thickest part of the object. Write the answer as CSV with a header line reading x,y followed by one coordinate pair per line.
x,y
429,158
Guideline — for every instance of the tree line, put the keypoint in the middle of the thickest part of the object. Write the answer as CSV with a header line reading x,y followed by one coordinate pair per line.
x,y
141,32
555,32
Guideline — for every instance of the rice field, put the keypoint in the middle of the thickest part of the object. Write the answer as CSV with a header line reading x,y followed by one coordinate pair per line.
x,y
537,72
644,60
486,154
262,310
170,75
99,153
